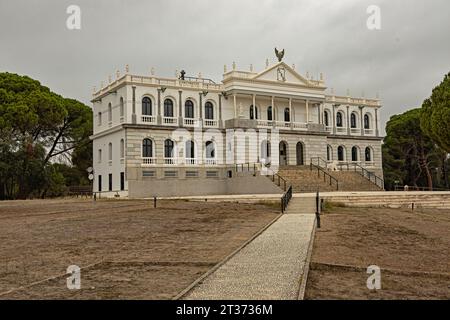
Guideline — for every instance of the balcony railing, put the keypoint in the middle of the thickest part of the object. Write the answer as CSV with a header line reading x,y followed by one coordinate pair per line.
x,y
368,132
328,129
283,124
210,161
173,121
300,126
148,119
210,123
341,129
265,123
190,161
170,161
148,160
190,122
355,130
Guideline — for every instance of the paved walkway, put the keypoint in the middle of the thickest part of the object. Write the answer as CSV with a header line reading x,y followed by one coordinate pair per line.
x,y
269,267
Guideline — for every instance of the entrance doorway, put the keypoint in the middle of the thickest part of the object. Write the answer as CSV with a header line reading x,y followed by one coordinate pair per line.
x,y
283,153
300,154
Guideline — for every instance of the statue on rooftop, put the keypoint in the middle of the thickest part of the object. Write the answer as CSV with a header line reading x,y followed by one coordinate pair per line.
x,y
279,54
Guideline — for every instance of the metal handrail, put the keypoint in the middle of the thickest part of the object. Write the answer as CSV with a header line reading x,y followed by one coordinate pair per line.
x,y
364,172
246,165
319,161
285,199
325,173
279,180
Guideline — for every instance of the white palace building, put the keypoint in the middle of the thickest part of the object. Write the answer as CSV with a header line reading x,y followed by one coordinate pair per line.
x,y
157,136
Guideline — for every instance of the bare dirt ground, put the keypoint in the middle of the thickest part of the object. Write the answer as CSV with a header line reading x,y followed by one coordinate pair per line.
x,y
411,248
130,249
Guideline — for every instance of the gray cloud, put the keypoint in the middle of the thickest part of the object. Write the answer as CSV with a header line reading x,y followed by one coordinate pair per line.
x,y
403,61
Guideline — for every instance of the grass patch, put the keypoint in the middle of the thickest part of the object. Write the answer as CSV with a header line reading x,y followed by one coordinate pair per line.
x,y
328,206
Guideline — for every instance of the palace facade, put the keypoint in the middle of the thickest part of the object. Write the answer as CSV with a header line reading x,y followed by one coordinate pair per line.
x,y
157,136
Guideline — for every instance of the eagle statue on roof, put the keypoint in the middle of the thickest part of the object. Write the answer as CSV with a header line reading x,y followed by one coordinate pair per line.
x,y
279,54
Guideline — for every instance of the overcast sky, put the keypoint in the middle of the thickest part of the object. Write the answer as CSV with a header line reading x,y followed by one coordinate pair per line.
x,y
403,61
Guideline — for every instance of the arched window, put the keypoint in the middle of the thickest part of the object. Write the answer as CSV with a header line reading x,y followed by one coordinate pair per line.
x,y
122,108
355,154
368,154
366,121
326,118
265,150
190,149
252,116
210,150
269,113
287,115
329,153
146,106
168,108
122,148
109,112
341,153
147,148
339,122
169,148
110,151
189,109
353,120
209,111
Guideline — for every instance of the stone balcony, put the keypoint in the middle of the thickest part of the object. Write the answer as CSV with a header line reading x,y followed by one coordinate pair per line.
x,y
268,124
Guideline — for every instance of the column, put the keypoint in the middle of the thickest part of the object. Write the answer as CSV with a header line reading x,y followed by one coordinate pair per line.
x,y
319,114
200,108
254,106
361,111
377,133
158,116
273,109
348,121
234,103
290,113
133,116
334,119
180,109
220,110
307,111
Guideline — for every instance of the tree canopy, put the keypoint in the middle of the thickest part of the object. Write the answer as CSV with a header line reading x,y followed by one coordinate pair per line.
x,y
435,115
38,128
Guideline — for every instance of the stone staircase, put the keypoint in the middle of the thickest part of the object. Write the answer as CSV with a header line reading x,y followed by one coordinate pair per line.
x,y
303,180
353,181
304,205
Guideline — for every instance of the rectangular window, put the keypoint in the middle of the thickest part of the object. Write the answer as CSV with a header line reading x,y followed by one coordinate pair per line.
x,y
212,174
100,183
170,174
99,119
122,181
99,155
148,173
110,182
191,174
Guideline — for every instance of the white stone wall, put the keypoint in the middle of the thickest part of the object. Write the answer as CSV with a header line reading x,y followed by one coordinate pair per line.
x,y
105,166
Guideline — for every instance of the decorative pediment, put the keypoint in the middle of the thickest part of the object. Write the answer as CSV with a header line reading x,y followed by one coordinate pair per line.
x,y
281,72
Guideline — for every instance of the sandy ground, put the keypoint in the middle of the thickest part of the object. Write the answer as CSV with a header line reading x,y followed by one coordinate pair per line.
x,y
130,249
411,248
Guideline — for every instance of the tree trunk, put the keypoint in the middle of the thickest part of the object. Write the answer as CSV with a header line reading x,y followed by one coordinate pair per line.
x,y
424,165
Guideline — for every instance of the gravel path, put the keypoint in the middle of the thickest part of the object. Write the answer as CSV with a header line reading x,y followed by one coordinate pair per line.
x,y
270,267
